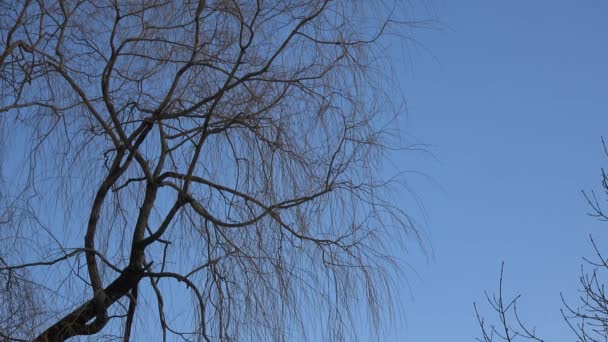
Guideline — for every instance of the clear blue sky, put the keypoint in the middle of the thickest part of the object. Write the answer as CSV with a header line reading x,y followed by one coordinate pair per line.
x,y
512,97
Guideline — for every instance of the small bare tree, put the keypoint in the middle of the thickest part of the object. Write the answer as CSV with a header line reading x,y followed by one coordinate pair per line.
x,y
509,327
230,146
588,320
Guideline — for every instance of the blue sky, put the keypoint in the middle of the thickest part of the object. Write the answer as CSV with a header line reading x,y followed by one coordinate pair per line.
x,y
512,98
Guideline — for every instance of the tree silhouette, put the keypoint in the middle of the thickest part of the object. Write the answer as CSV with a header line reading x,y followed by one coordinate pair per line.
x,y
203,169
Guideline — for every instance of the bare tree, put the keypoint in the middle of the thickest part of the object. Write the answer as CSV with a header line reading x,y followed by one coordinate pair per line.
x,y
510,327
199,169
588,320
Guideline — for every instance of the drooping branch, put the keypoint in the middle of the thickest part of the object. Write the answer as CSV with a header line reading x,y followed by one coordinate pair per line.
x,y
234,146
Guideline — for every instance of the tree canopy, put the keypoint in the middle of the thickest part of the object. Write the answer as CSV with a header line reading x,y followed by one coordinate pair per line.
x,y
203,169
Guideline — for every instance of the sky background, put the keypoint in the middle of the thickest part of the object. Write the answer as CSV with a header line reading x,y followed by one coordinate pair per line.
x,y
512,99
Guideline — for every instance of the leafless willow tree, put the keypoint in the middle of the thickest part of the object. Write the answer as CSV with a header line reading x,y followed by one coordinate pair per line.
x,y
205,170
